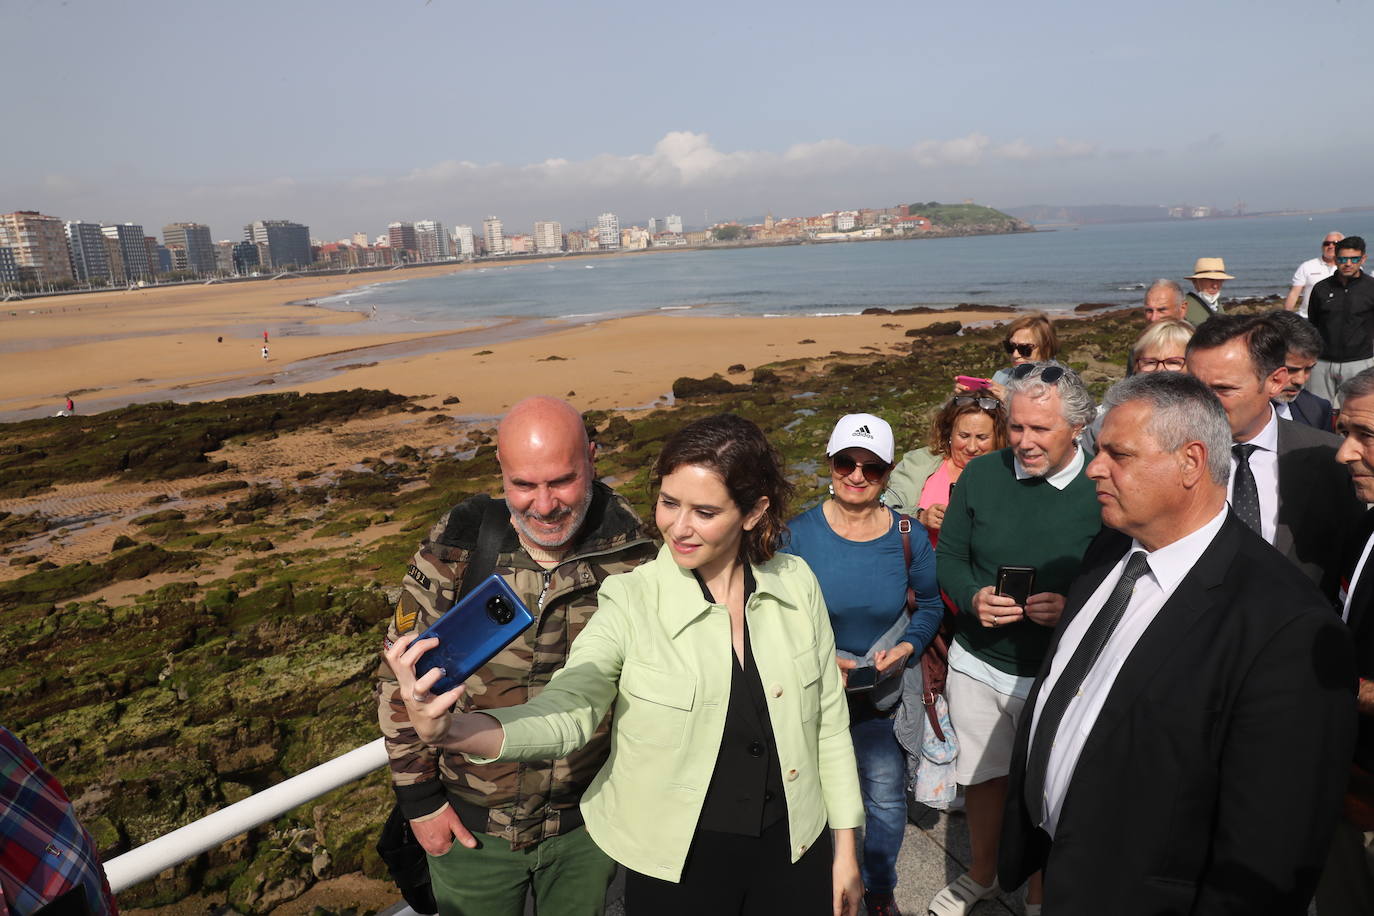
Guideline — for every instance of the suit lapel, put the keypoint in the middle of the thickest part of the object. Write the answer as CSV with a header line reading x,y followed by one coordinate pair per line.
x,y
1196,596
1106,552
1290,482
1363,589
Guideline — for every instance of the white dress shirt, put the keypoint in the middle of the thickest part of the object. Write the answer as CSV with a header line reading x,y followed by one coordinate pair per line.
x,y
1283,410
1168,565
1264,464
1354,579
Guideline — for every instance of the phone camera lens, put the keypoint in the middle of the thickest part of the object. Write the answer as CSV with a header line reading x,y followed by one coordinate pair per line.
x,y
499,611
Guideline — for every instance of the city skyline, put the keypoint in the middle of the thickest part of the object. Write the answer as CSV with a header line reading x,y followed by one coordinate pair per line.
x,y
742,110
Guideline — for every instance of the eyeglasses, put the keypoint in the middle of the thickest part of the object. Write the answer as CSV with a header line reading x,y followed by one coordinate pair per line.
x,y
985,403
1049,376
873,471
1022,349
1350,259
1172,364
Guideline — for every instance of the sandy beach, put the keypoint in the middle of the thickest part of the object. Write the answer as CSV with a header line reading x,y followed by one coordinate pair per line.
x,y
204,342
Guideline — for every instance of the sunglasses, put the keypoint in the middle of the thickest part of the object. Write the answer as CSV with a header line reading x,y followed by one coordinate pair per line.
x,y
873,471
1353,259
1022,349
1328,244
1049,376
985,403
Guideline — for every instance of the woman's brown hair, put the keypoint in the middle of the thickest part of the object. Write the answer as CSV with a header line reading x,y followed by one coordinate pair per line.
x,y
1042,329
748,464
942,425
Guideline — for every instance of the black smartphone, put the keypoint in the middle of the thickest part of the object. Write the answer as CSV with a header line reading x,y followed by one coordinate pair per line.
x,y
1016,582
862,678
488,619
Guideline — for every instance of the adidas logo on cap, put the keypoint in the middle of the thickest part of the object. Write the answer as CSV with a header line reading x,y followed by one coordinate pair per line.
x,y
862,431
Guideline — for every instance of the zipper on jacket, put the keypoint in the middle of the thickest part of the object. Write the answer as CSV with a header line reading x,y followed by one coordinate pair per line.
x,y
548,573
548,576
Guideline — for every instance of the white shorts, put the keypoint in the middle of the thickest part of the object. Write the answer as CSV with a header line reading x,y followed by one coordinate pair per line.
x,y
984,721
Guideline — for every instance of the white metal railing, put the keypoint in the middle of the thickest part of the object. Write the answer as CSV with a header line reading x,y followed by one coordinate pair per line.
x,y
210,831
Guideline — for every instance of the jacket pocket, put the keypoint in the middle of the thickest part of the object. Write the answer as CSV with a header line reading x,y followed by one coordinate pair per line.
x,y
654,704
809,680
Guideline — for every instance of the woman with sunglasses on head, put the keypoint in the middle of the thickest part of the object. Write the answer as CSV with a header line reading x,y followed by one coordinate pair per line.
x,y
731,768
855,546
968,425
1030,339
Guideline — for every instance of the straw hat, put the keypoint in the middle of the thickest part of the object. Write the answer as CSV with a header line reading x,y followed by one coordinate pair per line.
x,y
1210,269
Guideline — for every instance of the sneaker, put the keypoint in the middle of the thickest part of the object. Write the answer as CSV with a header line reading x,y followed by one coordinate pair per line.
x,y
881,905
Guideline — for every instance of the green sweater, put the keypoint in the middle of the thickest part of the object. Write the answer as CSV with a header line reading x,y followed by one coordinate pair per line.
x,y
996,520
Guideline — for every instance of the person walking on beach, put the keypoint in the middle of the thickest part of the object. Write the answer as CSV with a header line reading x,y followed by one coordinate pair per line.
x,y
553,539
264,338
264,351
71,408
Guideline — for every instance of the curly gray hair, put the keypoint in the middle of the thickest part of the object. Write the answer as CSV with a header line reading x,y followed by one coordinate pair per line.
x,y
1074,401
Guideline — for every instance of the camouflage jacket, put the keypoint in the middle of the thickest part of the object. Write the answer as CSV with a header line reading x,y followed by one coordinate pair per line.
x,y
521,802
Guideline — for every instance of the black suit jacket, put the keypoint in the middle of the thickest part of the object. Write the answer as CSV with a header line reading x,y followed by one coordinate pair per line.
x,y
1317,505
1211,781
1361,623
1310,410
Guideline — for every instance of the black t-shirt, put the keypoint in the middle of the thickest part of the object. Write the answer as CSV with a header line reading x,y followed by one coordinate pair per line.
x,y
745,795
1344,315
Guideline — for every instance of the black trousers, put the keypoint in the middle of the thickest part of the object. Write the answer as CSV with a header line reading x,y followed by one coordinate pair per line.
x,y
728,874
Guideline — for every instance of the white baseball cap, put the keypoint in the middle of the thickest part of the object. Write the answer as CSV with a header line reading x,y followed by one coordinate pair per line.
x,y
862,430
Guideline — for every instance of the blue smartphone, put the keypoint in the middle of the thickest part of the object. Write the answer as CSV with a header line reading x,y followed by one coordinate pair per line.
x,y
488,619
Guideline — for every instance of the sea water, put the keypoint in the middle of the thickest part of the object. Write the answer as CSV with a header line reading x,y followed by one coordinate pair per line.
x,y
1054,270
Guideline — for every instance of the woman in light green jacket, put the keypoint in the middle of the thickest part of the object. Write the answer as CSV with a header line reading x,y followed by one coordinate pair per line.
x,y
731,786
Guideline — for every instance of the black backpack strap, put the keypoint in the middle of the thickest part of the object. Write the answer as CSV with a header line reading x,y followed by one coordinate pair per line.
x,y
490,534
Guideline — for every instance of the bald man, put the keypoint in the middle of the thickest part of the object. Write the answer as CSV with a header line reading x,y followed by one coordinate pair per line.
x,y
494,832
1310,273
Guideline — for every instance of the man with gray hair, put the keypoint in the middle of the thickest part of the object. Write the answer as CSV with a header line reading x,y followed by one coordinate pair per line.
x,y
1294,402
1347,884
1164,300
1011,543
1186,660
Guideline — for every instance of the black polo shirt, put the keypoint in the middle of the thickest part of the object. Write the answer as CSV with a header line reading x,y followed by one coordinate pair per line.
x,y
745,795
1344,314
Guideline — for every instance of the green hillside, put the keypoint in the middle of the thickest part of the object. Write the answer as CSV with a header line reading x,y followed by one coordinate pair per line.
x,y
966,216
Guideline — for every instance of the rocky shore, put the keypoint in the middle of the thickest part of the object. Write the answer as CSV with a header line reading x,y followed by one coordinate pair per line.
x,y
192,596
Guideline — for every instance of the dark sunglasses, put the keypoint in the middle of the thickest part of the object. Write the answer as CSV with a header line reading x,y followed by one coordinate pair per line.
x,y
1023,349
1328,244
873,470
1051,374
1350,259
985,403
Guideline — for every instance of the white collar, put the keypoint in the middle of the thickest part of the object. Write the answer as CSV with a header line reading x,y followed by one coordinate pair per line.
x,y
1170,563
1060,479
1268,436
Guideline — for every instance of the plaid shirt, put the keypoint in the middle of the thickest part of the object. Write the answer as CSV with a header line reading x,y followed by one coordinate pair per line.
x,y
44,850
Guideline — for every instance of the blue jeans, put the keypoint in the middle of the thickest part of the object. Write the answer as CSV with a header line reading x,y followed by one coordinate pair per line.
x,y
882,779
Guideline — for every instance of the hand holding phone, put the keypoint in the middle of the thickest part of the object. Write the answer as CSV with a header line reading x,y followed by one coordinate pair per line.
x,y
864,677
971,382
488,619
1016,583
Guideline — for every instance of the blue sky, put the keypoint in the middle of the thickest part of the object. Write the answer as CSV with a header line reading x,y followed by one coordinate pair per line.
x,y
348,115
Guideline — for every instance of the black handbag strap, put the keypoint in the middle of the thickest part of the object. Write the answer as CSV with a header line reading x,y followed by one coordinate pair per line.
x,y
490,533
904,526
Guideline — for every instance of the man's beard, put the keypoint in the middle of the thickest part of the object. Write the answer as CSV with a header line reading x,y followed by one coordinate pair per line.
x,y
578,514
